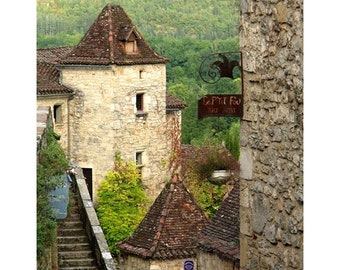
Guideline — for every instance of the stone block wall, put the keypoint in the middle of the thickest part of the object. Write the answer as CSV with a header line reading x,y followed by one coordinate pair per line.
x,y
133,262
44,120
62,127
212,261
105,120
271,202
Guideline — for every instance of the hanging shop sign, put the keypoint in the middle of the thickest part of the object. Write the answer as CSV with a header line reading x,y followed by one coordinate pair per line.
x,y
220,105
212,69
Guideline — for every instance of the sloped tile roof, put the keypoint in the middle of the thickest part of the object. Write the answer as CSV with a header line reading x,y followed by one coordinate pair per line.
x,y
103,43
93,49
174,102
221,235
53,55
170,228
47,73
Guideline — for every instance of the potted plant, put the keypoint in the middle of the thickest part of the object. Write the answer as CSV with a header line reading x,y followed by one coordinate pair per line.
x,y
211,162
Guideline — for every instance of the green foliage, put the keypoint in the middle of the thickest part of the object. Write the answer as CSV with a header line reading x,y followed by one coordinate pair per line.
x,y
199,163
52,162
198,20
203,160
232,139
122,203
209,196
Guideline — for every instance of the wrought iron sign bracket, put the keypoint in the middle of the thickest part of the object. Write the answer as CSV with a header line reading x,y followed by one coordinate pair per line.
x,y
212,69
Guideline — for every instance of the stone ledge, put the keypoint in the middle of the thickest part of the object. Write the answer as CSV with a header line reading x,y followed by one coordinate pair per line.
x,y
92,225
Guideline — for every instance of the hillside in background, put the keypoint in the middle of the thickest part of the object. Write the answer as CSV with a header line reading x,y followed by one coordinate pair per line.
x,y
198,19
185,31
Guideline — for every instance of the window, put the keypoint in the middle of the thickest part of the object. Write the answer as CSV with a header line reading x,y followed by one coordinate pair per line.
x,y
131,46
57,114
141,74
139,102
139,160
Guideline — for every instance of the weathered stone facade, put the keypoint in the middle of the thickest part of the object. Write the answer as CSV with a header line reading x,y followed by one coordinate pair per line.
x,y
104,119
61,128
134,262
271,200
212,261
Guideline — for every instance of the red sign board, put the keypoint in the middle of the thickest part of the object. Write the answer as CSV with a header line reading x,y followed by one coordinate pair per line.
x,y
220,105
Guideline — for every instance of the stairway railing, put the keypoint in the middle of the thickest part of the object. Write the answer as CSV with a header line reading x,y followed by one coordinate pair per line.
x,y
91,222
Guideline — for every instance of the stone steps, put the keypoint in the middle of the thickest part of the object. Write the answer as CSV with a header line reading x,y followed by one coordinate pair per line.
x,y
74,249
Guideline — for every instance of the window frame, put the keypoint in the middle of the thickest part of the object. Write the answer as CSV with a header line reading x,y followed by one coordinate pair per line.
x,y
131,46
139,159
57,113
140,102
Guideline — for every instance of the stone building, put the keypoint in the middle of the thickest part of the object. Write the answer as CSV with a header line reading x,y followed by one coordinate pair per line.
x,y
166,238
271,197
108,96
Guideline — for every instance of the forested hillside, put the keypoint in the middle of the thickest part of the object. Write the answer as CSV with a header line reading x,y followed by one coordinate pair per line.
x,y
185,31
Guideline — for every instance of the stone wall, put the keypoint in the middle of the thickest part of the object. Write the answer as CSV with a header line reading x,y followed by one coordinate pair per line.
x,y
271,202
104,119
62,127
207,260
133,262
91,223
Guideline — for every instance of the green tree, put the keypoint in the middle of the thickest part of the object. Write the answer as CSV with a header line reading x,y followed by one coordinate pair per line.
x,y
122,203
232,139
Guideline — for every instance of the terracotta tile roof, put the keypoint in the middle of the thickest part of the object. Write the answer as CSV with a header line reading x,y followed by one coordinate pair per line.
x,y
53,55
170,228
103,43
173,102
47,73
221,235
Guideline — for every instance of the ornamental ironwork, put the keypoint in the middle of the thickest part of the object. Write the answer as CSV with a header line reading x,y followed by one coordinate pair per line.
x,y
219,65
212,69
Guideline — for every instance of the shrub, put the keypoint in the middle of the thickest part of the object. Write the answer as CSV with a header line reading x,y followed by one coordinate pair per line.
x,y
202,161
198,164
122,203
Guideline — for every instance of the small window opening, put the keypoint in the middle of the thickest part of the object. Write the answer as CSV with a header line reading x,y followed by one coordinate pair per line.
x,y
131,46
141,74
57,114
139,160
139,102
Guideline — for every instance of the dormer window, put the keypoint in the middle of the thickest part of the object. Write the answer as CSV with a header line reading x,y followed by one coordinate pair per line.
x,y
131,46
129,36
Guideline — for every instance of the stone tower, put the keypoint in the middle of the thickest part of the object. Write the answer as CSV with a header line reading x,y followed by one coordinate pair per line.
x,y
271,198
119,102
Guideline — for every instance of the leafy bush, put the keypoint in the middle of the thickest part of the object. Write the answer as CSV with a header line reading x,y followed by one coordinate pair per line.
x,y
122,203
202,161
52,162
232,139
198,164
